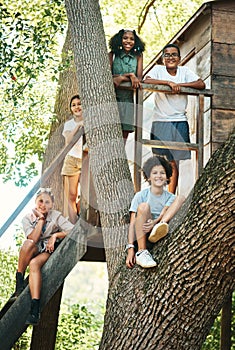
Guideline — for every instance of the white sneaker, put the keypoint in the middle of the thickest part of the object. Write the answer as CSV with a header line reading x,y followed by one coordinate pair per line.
x,y
144,259
159,231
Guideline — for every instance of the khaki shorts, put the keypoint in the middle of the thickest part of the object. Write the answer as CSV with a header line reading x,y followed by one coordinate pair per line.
x,y
72,166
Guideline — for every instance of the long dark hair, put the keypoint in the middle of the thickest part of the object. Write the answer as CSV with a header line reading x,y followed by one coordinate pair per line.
x,y
115,43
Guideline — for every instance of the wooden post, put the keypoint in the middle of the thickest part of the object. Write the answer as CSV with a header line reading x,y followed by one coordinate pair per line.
x,y
200,133
138,140
225,330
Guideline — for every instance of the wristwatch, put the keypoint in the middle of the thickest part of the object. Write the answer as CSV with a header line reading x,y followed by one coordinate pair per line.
x,y
129,245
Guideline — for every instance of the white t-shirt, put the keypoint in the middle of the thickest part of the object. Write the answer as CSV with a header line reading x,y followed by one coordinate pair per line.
x,y
76,150
171,107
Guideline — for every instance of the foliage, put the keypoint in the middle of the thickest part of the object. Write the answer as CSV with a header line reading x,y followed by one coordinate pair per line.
x,y
7,276
29,40
29,66
79,329
163,20
212,341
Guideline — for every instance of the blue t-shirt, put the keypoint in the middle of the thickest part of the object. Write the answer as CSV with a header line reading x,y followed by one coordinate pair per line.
x,y
157,203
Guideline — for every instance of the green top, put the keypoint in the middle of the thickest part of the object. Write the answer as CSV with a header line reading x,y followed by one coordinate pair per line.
x,y
125,63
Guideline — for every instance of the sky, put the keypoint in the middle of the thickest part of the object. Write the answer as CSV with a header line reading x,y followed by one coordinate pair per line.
x,y
11,197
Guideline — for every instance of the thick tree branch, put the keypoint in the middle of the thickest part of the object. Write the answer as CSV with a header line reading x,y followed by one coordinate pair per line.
x,y
144,13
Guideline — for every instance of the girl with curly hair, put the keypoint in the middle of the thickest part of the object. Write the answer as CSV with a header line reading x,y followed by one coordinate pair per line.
x,y
126,61
151,210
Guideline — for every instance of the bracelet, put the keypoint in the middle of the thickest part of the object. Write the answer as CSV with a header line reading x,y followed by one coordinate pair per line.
x,y
41,218
129,245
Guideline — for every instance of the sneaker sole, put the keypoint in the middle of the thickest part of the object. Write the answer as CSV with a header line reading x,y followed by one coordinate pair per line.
x,y
146,266
160,232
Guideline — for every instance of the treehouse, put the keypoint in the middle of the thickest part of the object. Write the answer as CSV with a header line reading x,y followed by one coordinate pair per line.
x,y
207,44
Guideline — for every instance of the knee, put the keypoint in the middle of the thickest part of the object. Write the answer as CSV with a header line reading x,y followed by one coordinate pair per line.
x,y
33,265
27,246
72,196
143,208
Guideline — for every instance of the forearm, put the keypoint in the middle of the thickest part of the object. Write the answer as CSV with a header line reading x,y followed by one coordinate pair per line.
x,y
124,76
70,134
59,235
173,208
163,212
149,80
198,84
36,233
131,234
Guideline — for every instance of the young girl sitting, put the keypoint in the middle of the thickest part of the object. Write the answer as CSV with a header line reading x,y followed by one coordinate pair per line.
x,y
42,228
151,209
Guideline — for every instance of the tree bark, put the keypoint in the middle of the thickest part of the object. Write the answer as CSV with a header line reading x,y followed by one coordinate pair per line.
x,y
174,305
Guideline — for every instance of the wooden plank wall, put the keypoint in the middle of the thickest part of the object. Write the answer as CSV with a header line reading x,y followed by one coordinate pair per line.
x,y
223,71
195,44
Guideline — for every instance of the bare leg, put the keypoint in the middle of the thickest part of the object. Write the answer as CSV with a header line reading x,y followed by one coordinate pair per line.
x,y
173,208
27,251
72,197
35,277
174,179
143,214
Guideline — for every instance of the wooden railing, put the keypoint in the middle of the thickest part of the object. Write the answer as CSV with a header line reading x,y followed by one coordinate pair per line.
x,y
140,142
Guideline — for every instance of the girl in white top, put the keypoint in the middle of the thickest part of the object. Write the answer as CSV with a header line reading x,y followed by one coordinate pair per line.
x,y
73,160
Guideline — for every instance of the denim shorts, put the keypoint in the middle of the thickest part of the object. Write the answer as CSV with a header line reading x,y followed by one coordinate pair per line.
x,y
171,131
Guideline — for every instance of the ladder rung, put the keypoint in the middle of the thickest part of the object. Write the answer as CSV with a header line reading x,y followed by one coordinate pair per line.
x,y
170,145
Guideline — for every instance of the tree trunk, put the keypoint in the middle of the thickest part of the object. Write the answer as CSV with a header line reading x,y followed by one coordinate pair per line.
x,y
174,305
44,335
109,167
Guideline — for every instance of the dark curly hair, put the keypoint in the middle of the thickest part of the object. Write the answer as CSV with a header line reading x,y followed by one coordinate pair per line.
x,y
115,43
152,162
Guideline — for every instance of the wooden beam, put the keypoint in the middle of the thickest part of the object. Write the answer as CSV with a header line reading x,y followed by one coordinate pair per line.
x,y
170,145
138,140
167,89
226,320
200,133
